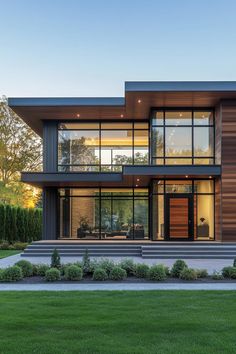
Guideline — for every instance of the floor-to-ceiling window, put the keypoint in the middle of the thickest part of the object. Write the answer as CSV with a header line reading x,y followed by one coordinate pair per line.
x,y
102,146
182,137
202,199
104,213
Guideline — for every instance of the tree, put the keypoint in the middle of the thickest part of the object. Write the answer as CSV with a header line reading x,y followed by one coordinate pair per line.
x,y
20,147
8,230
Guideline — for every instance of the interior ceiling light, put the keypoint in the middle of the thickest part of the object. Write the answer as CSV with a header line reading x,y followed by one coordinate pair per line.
x,y
186,176
139,101
78,115
136,185
210,176
138,179
122,115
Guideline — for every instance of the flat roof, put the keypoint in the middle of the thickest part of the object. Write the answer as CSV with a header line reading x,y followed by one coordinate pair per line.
x,y
140,97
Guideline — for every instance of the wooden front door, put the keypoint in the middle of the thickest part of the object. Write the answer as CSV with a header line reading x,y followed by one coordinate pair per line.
x,y
179,217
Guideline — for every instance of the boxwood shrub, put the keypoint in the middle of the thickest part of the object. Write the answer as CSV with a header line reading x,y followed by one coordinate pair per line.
x,y
73,272
217,276
141,270
11,274
177,268
117,273
100,274
26,266
157,272
233,273
52,274
106,264
188,274
226,272
42,268
202,273
128,265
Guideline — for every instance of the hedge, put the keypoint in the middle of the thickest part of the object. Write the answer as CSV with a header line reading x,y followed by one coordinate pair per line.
x,y
20,224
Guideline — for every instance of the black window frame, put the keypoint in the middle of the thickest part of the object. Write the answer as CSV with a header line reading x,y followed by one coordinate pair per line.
x,y
192,157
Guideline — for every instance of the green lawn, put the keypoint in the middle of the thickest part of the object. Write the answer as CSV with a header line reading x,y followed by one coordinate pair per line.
x,y
7,253
118,322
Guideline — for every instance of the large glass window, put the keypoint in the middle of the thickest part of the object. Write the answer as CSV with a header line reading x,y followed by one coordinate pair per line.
x,y
182,137
104,213
102,146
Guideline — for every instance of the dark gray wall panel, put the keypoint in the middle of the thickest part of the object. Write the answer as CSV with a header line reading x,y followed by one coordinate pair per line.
x,y
49,213
50,146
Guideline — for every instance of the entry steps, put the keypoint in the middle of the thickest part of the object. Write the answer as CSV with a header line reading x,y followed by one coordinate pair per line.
x,y
162,250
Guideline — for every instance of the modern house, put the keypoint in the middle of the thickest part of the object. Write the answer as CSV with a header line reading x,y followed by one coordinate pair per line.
x,y
158,164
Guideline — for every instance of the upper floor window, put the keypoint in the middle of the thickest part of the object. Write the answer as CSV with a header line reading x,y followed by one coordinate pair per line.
x,y
102,146
182,137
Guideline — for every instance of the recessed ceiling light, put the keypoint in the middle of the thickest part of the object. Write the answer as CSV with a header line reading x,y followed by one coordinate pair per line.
x,y
139,101
122,115
136,185
78,115
210,176
138,179
186,176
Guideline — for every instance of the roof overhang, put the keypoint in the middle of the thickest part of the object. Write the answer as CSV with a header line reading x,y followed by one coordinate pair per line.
x,y
130,176
139,98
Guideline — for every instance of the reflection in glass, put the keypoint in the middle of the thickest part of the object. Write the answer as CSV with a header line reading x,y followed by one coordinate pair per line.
x,y
158,230
157,141
178,142
203,186
140,227
158,118
203,141
203,118
178,118
179,161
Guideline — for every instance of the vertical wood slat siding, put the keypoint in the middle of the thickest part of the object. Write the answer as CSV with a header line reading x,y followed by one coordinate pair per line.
x,y
218,213
228,157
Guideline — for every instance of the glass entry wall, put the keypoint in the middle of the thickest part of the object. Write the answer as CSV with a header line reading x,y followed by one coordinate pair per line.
x,y
102,147
182,137
195,195
104,213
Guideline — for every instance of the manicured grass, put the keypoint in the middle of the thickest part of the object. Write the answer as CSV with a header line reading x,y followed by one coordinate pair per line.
x,y
118,322
7,253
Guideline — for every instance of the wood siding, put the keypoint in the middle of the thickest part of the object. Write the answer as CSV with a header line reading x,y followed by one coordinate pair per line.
x,y
228,158
179,218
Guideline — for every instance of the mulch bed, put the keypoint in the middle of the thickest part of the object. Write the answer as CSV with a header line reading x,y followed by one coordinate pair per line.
x,y
129,280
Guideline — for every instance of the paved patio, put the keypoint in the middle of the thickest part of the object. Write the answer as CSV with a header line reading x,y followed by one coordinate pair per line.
x,y
210,264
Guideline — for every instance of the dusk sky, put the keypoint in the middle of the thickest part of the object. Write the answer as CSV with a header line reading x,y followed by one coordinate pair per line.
x,y
90,47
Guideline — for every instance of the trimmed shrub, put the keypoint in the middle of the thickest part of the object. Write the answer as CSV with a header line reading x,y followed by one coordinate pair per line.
x,y
42,269
217,276
117,273
128,265
226,272
73,272
177,268
55,259
86,263
4,245
233,273
26,267
35,269
141,270
52,274
1,274
234,264
106,264
100,274
8,220
167,270
201,273
188,274
11,274
157,272
20,245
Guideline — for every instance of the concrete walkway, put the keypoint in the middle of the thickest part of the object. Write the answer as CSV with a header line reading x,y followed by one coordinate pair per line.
x,y
117,287
210,264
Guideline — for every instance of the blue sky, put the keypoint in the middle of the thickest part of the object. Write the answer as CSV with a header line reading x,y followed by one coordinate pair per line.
x,y
90,47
